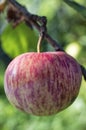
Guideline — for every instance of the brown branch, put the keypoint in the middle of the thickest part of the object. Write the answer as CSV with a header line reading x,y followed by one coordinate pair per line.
x,y
83,72
33,21
18,13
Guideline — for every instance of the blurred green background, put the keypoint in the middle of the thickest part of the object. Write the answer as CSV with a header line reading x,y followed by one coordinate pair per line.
x,y
66,25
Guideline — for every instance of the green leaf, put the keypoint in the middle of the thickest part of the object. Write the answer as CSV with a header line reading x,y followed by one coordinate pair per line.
x,y
79,8
18,40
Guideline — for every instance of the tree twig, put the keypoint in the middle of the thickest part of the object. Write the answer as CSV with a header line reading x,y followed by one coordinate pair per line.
x,y
83,71
33,20
79,8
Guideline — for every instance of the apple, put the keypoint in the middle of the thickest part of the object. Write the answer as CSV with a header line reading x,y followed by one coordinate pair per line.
x,y
42,83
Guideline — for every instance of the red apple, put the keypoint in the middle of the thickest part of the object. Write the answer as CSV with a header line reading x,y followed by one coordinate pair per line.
x,y
42,83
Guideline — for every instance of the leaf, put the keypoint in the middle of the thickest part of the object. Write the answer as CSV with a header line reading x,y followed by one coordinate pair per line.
x,y
79,8
18,40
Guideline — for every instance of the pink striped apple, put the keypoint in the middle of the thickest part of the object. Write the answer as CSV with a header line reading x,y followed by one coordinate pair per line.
x,y
42,83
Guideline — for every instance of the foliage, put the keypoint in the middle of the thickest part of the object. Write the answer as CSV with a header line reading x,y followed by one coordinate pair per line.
x,y
67,26
20,40
81,9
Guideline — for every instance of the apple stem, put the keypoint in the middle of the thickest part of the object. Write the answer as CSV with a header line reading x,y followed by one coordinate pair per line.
x,y
41,37
43,31
39,43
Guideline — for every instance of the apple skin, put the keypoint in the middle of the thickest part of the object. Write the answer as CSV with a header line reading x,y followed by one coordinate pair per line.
x,y
42,83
